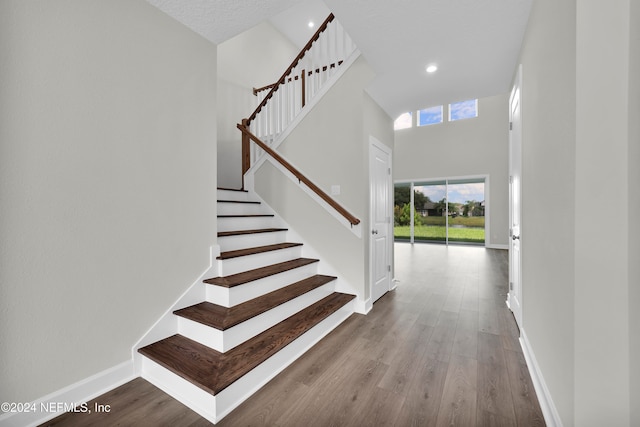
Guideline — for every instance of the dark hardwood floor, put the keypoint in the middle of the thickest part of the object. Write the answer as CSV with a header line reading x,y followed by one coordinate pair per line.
x,y
440,350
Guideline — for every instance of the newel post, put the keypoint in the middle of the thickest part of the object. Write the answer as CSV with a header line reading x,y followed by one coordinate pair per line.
x,y
246,155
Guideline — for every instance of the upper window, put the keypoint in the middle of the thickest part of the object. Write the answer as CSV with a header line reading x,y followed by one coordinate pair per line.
x,y
463,110
430,116
403,122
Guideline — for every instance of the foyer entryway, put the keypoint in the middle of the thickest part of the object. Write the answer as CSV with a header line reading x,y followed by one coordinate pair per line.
x,y
449,353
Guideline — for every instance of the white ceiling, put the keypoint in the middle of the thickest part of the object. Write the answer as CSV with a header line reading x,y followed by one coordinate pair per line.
x,y
475,43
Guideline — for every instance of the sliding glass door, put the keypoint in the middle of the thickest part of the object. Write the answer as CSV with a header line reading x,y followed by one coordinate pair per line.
x,y
430,202
441,211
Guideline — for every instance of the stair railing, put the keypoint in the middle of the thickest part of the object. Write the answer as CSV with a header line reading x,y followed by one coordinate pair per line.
x,y
262,91
283,100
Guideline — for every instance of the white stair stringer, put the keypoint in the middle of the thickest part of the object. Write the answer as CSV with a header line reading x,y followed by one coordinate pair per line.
x,y
362,306
226,340
214,408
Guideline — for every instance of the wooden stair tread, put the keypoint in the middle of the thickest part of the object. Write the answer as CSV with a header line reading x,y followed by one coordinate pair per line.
x,y
248,216
256,250
245,232
251,202
240,190
259,273
213,371
223,318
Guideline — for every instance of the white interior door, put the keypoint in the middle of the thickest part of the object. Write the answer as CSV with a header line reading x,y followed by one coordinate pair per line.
x,y
515,196
381,234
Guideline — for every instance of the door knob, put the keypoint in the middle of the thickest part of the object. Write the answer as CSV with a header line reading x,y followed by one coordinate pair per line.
x,y
374,231
515,237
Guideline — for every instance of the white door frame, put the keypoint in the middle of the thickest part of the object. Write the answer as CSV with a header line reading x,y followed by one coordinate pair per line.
x,y
514,297
373,142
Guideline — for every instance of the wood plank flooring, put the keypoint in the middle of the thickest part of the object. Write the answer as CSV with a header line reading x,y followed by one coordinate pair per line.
x,y
440,350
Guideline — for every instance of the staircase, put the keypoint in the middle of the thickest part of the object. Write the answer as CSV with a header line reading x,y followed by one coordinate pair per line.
x,y
268,306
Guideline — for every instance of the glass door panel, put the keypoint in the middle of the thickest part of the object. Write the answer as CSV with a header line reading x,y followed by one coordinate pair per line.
x,y
466,202
430,202
402,212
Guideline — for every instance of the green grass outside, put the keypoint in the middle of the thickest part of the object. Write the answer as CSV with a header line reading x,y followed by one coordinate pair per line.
x,y
474,221
438,233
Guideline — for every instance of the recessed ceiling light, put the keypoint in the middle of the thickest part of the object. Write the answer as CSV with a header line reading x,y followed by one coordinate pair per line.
x,y
311,24
432,68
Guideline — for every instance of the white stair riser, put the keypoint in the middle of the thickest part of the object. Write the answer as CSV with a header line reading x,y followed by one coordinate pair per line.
x,y
228,297
194,397
214,408
227,267
241,209
245,223
244,241
225,340
232,195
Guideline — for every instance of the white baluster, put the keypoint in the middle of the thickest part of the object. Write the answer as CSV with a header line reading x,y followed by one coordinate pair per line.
x,y
256,121
276,109
285,105
279,115
269,118
334,46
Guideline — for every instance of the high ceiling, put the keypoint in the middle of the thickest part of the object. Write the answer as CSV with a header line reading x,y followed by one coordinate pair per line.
x,y
475,43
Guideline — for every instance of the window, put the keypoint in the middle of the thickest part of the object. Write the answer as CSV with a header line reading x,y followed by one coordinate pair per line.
x,y
442,211
403,122
463,110
430,116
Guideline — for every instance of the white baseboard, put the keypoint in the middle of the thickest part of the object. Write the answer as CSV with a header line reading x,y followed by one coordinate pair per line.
x,y
71,396
497,246
549,411
362,306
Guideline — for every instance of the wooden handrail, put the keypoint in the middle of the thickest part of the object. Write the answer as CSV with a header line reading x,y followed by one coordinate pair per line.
x,y
260,89
281,80
324,196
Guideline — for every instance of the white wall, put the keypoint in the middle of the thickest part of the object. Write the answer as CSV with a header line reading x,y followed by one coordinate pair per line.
x,y
477,146
634,208
580,147
548,187
108,151
602,173
330,146
253,59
